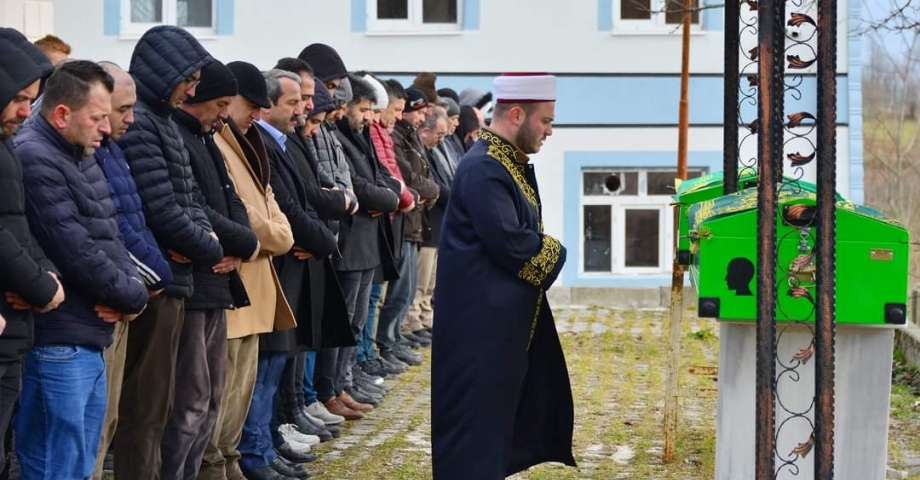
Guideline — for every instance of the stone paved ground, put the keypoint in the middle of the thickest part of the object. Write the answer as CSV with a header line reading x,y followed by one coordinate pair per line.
x,y
617,361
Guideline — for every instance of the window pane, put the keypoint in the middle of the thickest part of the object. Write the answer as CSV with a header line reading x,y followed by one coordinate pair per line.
x,y
597,238
642,246
393,9
146,11
594,183
662,183
675,12
636,9
193,13
439,11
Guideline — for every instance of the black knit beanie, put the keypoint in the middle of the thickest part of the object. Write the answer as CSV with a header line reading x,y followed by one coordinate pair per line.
x,y
216,81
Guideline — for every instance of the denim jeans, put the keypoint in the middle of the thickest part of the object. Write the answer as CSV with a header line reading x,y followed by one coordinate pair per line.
x,y
255,446
400,293
366,340
309,365
62,410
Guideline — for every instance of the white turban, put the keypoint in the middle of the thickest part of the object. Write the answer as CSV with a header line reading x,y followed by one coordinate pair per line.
x,y
525,88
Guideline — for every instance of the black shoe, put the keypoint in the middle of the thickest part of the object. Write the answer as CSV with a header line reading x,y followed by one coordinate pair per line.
x,y
306,427
264,473
362,396
371,367
405,342
423,341
371,388
391,362
282,466
288,452
334,430
360,374
407,357
422,333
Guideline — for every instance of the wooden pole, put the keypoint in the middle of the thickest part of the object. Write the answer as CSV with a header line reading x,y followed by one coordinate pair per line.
x,y
671,407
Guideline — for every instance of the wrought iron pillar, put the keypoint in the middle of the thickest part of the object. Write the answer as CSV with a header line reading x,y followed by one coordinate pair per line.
x,y
730,112
825,247
769,155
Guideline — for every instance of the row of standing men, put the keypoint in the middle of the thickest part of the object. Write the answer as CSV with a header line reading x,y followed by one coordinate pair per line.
x,y
203,248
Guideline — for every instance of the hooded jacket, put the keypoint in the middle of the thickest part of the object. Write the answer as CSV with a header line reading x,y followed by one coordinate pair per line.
x,y
72,216
162,59
23,263
413,163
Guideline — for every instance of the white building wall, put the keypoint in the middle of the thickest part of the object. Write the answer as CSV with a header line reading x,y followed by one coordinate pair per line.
x,y
34,18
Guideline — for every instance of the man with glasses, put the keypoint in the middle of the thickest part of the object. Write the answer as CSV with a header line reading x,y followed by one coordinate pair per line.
x,y
166,65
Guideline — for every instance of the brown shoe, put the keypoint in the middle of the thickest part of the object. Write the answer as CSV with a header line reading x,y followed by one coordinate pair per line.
x,y
336,407
353,404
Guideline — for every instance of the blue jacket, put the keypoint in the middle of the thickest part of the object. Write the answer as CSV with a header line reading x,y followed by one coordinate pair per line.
x,y
139,241
72,216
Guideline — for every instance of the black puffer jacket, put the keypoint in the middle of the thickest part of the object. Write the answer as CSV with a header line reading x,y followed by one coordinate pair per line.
x,y
22,262
225,211
162,59
72,216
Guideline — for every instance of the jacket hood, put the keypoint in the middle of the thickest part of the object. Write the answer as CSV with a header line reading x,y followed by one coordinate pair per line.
x,y
17,71
163,58
474,98
34,53
322,100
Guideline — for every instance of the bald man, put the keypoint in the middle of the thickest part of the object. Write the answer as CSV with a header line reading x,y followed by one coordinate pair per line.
x,y
138,239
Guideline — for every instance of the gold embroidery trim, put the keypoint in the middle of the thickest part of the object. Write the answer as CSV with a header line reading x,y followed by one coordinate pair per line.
x,y
536,316
505,153
540,265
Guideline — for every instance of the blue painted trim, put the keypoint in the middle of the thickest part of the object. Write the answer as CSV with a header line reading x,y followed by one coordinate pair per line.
x,y
575,162
854,97
604,15
225,15
111,12
713,18
471,14
358,16
644,100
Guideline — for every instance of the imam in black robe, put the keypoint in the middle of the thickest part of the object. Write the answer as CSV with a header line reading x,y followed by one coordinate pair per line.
x,y
500,395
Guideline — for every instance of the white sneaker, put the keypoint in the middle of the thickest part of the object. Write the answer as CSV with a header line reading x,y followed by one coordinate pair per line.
x,y
318,410
290,434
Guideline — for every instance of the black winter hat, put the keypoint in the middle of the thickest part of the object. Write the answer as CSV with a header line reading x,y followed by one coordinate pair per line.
x,y
34,53
17,71
449,93
415,99
216,81
250,83
322,101
326,62
469,122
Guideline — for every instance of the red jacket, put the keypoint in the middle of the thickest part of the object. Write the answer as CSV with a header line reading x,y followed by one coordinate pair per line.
x,y
383,144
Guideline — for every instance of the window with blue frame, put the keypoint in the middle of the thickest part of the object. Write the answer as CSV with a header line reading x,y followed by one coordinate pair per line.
x,y
628,230
414,15
653,15
197,16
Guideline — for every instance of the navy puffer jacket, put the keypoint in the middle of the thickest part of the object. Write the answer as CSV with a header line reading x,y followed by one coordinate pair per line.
x,y
151,265
162,59
73,218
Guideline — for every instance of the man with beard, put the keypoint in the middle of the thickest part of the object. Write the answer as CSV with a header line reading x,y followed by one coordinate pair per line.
x,y
494,221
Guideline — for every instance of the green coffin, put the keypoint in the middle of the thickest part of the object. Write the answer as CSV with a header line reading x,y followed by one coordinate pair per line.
x,y
872,260
709,187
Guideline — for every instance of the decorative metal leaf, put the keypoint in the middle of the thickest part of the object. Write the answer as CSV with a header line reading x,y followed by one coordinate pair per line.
x,y
754,127
796,119
798,63
803,449
752,4
799,160
805,354
801,292
798,19
753,53
802,263
752,80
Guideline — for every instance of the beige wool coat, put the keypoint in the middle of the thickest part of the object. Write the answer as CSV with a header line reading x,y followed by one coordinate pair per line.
x,y
269,310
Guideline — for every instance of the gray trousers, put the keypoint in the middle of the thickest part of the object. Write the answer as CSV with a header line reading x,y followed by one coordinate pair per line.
x,y
201,374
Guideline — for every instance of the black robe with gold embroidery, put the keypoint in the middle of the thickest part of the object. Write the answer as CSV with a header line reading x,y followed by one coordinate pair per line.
x,y
500,395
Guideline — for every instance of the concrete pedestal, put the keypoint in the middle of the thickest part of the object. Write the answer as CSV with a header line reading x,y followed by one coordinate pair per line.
x,y
863,389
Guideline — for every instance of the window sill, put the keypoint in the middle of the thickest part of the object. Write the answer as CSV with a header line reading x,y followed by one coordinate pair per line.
x,y
413,33
660,33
